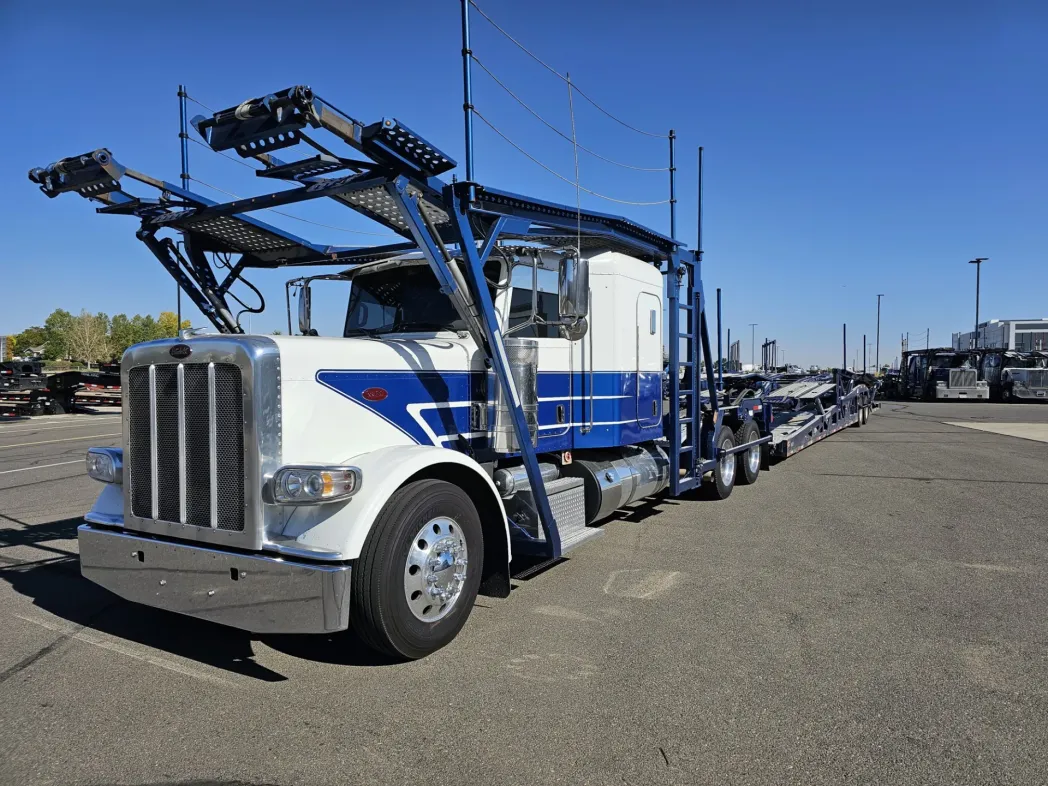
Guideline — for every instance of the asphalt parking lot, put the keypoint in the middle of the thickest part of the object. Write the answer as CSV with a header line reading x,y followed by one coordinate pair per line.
x,y
872,611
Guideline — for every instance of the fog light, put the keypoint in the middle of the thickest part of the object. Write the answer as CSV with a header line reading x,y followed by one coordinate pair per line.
x,y
106,464
313,485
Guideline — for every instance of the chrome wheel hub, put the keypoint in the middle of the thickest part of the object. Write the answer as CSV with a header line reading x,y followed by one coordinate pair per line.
x,y
753,459
727,469
435,571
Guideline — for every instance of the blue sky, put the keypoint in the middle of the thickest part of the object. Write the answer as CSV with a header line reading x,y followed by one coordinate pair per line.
x,y
849,150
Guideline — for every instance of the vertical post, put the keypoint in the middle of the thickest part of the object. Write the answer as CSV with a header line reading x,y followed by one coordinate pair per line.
x,y
863,353
877,357
978,270
753,341
467,89
720,347
673,192
183,140
698,239
731,366
845,360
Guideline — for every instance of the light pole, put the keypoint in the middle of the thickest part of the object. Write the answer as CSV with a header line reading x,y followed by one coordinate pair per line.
x,y
978,268
753,344
877,360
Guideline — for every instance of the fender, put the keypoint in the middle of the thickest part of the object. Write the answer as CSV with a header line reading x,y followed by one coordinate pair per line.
x,y
342,528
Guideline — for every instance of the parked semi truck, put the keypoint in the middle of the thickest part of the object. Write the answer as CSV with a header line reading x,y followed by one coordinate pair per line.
x,y
496,388
1015,376
941,373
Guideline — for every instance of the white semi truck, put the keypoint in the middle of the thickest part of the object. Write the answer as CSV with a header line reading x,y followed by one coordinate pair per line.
x,y
497,387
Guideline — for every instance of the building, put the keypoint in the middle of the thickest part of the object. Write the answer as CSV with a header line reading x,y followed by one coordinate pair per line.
x,y
1020,334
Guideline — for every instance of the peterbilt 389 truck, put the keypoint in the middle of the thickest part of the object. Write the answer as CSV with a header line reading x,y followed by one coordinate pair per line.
x,y
497,387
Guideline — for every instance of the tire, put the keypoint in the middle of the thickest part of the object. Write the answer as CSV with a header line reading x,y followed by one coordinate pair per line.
x,y
864,415
720,487
1006,395
858,420
748,463
54,408
396,561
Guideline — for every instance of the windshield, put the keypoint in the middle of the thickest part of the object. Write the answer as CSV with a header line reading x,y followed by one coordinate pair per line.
x,y
950,361
399,300
1025,362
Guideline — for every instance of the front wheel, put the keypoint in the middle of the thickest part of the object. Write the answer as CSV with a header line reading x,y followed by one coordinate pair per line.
x,y
419,571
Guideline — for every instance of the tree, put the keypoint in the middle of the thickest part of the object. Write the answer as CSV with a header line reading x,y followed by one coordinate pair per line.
x,y
167,325
145,328
30,338
88,338
122,333
56,329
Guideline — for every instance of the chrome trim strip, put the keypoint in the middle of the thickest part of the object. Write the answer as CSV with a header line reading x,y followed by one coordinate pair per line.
x,y
155,486
213,437
181,443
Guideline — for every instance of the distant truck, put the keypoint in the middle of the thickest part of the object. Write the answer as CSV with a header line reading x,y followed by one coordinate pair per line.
x,y
1015,376
942,373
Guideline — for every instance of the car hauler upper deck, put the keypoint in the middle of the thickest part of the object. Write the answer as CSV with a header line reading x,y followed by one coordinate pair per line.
x,y
498,387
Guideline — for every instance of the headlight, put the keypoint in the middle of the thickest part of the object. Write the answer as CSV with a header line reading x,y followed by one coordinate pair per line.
x,y
312,485
106,464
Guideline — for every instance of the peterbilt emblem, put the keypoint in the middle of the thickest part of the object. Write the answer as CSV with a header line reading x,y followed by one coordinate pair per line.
x,y
180,351
375,394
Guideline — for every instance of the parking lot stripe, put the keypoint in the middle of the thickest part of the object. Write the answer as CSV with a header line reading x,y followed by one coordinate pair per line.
x,y
41,466
87,423
91,637
67,439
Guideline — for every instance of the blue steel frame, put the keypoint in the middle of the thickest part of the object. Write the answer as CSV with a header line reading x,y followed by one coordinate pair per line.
x,y
403,167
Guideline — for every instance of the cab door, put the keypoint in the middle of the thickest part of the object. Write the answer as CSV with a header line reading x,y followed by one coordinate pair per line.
x,y
649,360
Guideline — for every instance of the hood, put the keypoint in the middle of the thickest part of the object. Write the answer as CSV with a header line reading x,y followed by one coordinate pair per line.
x,y
345,396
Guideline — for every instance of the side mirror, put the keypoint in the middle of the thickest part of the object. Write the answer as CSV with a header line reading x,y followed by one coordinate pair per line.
x,y
303,309
573,288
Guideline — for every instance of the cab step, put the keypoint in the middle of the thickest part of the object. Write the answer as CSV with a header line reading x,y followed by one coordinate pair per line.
x,y
567,499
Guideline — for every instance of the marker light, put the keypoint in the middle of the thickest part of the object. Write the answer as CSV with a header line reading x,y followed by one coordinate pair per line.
x,y
314,485
106,464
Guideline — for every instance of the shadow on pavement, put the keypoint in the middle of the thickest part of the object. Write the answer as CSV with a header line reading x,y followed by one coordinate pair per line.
x,y
56,586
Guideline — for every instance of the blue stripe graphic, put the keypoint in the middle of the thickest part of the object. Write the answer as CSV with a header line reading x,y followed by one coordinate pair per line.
x,y
618,416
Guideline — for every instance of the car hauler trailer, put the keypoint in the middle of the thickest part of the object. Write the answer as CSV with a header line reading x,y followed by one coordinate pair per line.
x,y
25,388
799,410
497,388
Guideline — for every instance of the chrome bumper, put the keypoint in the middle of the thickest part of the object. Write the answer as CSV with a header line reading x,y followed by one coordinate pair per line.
x,y
963,393
1030,394
253,592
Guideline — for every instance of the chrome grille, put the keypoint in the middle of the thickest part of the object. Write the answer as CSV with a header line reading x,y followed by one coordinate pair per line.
x,y
962,377
186,442
1037,378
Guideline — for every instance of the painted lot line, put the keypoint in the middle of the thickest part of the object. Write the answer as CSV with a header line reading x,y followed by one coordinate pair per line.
x,y
1033,431
86,423
102,641
67,439
41,466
